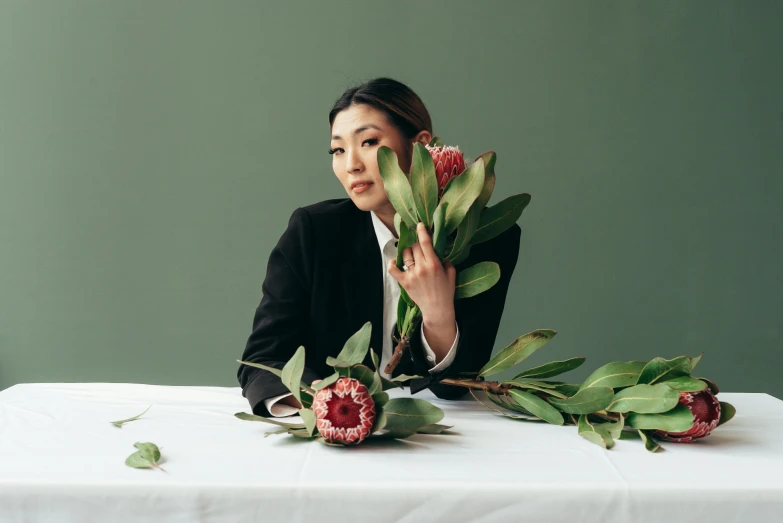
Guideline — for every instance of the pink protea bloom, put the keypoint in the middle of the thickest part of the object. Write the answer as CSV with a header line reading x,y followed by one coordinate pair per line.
x,y
705,408
449,163
344,411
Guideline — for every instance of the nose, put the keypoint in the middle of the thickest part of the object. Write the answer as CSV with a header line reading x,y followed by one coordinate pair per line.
x,y
353,163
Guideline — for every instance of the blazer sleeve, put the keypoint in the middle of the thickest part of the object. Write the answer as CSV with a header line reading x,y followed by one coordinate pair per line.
x,y
478,318
279,323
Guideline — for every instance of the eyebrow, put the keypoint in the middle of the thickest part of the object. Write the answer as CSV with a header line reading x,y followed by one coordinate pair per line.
x,y
359,129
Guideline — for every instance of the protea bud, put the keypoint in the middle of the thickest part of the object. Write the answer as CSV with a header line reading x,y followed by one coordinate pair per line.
x,y
705,408
344,411
449,163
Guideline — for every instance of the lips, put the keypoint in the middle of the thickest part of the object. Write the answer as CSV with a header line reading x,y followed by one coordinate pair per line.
x,y
355,184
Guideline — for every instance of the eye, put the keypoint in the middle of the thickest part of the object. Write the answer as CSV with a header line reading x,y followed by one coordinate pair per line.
x,y
370,141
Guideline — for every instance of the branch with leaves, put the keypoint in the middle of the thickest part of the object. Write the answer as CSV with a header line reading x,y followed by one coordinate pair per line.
x,y
450,199
351,404
658,399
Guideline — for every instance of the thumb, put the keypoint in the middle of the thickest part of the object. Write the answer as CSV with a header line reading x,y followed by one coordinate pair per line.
x,y
395,272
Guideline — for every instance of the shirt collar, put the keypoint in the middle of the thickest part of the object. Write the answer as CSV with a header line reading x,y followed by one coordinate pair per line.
x,y
382,233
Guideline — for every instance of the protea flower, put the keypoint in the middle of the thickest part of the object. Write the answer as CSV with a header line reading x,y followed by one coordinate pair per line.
x,y
706,414
344,411
449,162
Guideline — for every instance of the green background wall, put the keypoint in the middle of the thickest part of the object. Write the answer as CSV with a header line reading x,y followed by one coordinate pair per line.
x,y
152,152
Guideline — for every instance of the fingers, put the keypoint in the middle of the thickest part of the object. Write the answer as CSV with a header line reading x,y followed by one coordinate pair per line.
x,y
418,255
396,273
425,242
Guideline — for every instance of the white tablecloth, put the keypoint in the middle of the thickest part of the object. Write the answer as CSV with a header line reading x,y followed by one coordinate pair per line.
x,y
62,461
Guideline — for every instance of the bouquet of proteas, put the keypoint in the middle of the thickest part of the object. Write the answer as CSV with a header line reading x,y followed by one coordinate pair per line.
x,y
450,199
656,399
351,404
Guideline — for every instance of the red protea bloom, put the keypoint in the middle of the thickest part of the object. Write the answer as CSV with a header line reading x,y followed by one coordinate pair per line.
x,y
706,414
449,163
344,411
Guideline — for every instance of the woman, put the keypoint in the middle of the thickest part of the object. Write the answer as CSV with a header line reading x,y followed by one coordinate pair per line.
x,y
334,268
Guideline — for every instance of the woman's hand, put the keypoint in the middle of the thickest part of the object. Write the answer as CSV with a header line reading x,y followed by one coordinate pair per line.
x,y
291,400
429,282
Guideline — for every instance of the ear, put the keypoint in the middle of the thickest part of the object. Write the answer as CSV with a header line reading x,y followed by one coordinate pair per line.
x,y
424,137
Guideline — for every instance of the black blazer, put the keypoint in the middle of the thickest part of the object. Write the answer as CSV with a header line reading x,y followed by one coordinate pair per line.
x,y
324,280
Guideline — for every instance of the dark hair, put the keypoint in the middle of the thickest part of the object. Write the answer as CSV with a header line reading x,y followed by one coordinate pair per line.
x,y
396,100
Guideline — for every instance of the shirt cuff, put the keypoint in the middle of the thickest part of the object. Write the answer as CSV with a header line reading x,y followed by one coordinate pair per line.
x,y
447,360
280,410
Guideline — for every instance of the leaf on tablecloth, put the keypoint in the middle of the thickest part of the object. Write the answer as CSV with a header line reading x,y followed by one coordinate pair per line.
x,y
147,456
649,443
727,411
121,422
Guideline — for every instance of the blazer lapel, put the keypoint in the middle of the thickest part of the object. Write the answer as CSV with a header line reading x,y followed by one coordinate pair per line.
x,y
363,281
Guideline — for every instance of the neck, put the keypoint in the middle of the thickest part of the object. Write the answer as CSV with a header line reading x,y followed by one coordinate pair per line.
x,y
387,217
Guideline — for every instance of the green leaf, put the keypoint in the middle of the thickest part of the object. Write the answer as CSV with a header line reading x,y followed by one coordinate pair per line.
x,y
711,384
363,374
585,401
695,361
434,428
302,433
594,433
532,385
727,411
510,405
134,418
402,310
649,443
489,159
308,416
377,384
380,420
648,399
307,399
496,219
276,372
536,406
272,432
410,414
677,419
389,384
436,142
659,369
519,349
252,417
615,374
397,186
355,349
380,399
147,456
424,183
476,279
292,373
686,384
406,239
569,389
550,369
439,234
403,378
326,381
460,193
465,231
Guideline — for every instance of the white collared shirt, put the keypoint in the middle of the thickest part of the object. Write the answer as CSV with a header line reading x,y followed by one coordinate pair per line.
x,y
391,295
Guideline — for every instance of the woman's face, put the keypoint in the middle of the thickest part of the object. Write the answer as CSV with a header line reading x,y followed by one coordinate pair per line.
x,y
357,132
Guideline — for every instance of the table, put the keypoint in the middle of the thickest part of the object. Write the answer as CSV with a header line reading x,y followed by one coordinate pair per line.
x,y
61,461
